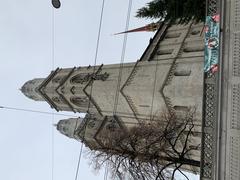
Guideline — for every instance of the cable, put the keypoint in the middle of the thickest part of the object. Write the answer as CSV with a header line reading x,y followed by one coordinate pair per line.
x,y
53,148
97,48
53,65
35,111
153,94
122,58
79,160
94,69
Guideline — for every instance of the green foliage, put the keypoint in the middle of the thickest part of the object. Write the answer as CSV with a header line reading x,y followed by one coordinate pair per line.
x,y
184,10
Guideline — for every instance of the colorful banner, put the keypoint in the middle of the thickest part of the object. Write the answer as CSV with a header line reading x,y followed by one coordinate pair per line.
x,y
211,43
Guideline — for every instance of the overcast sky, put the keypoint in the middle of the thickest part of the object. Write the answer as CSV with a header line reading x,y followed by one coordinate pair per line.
x,y
26,53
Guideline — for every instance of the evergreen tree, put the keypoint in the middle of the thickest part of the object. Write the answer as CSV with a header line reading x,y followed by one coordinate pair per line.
x,y
184,10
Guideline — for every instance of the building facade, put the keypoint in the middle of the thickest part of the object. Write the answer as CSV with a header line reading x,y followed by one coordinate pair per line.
x,y
167,78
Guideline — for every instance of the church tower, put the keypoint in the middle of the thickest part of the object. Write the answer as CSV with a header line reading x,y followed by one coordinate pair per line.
x,y
167,78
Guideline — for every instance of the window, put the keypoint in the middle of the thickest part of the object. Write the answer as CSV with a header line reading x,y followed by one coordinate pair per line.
x,y
91,124
80,101
182,73
172,35
180,108
80,78
58,79
181,111
56,100
165,52
193,49
111,126
195,32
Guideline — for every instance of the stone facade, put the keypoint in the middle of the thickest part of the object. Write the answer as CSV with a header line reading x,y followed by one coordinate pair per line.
x,y
167,78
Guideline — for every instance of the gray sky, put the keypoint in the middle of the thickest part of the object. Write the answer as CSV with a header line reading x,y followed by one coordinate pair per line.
x,y
26,52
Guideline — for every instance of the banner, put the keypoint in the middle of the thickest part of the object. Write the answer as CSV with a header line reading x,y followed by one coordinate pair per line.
x,y
212,32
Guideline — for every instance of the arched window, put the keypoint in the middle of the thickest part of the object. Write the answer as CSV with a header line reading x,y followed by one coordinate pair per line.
x,y
165,52
181,108
195,32
58,79
57,100
111,126
80,101
181,111
182,72
80,78
193,49
91,124
170,35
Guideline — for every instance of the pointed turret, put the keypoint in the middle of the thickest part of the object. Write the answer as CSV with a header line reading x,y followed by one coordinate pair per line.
x,y
30,89
68,127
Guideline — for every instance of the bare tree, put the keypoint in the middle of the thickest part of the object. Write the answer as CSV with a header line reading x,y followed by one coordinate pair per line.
x,y
155,150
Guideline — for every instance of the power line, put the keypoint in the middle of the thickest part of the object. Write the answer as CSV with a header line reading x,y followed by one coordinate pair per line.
x,y
154,88
53,148
35,111
53,65
94,68
79,160
122,58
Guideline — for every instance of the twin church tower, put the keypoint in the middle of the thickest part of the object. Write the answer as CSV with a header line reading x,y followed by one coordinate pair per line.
x,y
167,78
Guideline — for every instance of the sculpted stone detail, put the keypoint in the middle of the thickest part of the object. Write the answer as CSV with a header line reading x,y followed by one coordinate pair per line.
x,y
83,78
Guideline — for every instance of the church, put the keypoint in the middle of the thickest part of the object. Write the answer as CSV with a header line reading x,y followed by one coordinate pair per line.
x,y
168,77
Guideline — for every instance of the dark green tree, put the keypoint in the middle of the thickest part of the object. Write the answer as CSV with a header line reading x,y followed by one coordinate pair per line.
x,y
184,10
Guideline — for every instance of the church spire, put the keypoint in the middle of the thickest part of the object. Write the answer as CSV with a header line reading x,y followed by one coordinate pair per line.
x,y
30,89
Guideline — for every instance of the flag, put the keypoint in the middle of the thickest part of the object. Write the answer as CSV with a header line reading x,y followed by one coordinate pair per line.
x,y
147,28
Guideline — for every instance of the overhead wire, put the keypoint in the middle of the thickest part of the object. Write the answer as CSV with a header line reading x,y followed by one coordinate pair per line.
x,y
79,161
122,58
124,45
94,69
35,111
119,77
53,66
153,93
